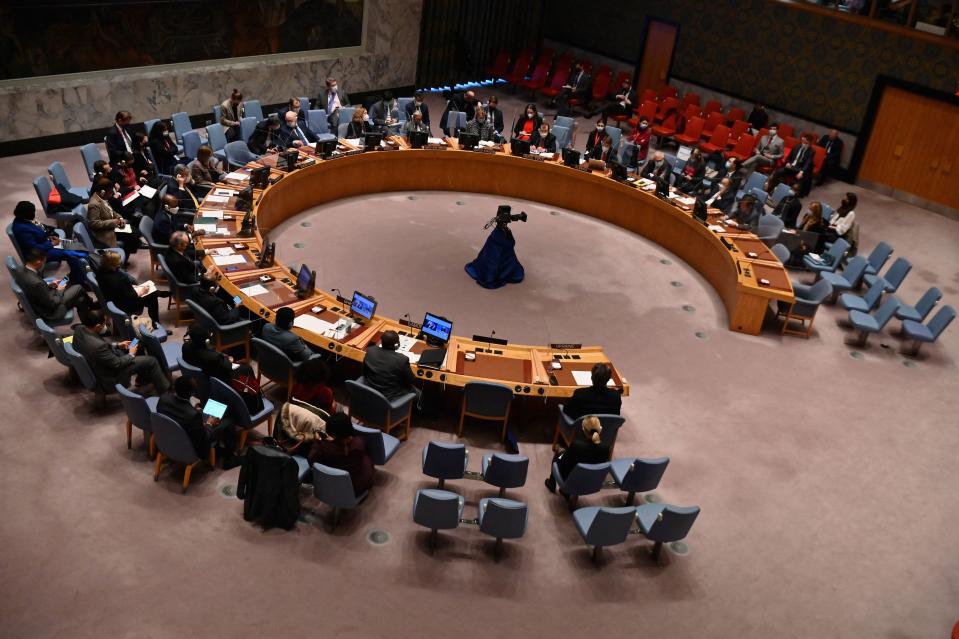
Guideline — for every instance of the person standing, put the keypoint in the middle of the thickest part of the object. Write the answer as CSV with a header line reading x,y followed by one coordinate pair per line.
x,y
231,113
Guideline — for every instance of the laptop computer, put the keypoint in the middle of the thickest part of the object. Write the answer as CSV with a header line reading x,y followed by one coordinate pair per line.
x,y
432,358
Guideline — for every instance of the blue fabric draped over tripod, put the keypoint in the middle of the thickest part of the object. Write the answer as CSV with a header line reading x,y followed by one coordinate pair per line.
x,y
497,263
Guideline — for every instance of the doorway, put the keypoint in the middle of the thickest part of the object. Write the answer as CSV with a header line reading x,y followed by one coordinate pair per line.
x,y
657,54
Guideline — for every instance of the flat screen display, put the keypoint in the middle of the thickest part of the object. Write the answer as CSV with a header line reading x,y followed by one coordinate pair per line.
x,y
362,305
304,280
437,327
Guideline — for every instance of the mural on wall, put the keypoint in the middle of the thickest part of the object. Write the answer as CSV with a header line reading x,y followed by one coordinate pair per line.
x,y
46,37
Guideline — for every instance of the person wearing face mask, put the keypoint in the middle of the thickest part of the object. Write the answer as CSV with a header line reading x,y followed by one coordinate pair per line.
x,y
789,208
164,149
204,169
103,221
623,101
640,138
119,138
415,124
295,133
331,99
167,220
798,165
576,87
691,177
481,126
122,289
842,220
359,125
528,123
724,197
768,151
746,215
419,104
219,309
231,112
542,140
385,114
495,116
265,136
183,259
184,190
657,168
115,362
595,139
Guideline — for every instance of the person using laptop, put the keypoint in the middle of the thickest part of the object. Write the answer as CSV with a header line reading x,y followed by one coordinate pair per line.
x,y
204,431
386,370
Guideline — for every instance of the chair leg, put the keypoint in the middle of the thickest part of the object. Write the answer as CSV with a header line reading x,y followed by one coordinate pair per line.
x,y
433,534
459,431
152,446
597,550
269,425
630,498
409,423
440,484
657,549
186,476
212,457
335,519
129,434
243,435
556,435
502,492
156,468
499,548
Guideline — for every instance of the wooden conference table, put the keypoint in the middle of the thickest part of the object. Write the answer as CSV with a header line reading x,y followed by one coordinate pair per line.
x,y
738,265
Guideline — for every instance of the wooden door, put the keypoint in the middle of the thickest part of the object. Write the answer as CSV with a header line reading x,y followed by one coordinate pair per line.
x,y
913,147
657,55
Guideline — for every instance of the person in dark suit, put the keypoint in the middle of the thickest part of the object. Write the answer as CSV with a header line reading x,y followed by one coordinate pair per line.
x,y
758,118
598,399
119,138
280,335
198,351
746,214
204,431
186,192
384,113
50,301
296,107
206,298
115,363
587,448
799,165
388,371
693,173
624,99
143,165
294,133
185,268
164,149
577,86
657,167
789,208
528,123
419,104
833,145
724,197
542,140
345,451
265,136
331,99
495,115
470,102
123,291
167,220
30,234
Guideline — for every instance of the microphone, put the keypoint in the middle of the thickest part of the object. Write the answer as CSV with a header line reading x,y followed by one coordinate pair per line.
x,y
339,295
489,342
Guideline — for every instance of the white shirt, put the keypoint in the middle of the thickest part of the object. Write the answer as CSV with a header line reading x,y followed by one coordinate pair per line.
x,y
843,224
332,102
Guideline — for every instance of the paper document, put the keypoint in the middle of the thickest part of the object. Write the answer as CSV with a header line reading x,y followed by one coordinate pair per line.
x,y
227,192
224,251
487,143
815,256
126,228
253,291
129,197
547,155
147,191
353,141
226,260
435,141
407,342
312,323
146,288
585,378
715,228
219,199
236,176
206,228
413,357
217,215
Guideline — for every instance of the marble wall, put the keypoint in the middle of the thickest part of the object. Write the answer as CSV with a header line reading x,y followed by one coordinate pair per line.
x,y
52,105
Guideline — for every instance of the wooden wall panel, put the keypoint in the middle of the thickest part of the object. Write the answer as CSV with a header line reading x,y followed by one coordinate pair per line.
x,y
657,55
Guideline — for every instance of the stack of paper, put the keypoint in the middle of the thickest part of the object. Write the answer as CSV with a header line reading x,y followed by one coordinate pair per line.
x,y
435,141
226,260
253,291
224,251
236,176
214,214
147,191
585,378
223,191
206,228
312,323
218,199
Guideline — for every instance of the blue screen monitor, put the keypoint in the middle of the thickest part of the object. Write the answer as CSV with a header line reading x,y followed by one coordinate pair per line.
x,y
304,281
438,328
362,305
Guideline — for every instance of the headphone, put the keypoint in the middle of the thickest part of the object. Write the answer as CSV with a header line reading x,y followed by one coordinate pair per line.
x,y
206,343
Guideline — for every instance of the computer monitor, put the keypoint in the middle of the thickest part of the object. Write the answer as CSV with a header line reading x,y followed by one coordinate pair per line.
x,y
260,177
418,139
305,280
618,171
371,141
288,160
326,148
469,141
437,329
662,187
362,305
519,147
699,210
571,157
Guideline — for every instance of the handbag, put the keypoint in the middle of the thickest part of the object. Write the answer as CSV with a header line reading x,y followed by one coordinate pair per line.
x,y
249,390
141,323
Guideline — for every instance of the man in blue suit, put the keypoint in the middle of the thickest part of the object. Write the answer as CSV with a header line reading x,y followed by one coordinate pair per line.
x,y
418,104
31,235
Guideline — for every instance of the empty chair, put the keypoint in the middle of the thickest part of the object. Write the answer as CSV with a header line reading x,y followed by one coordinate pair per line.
x,y
42,187
567,428
139,410
216,138
926,334
808,300
584,479
867,324
237,409
445,461
849,278
173,444
502,519
317,120
893,276
146,230
830,261
90,153
781,252
191,144
743,149
500,66
122,327
769,227
59,176
713,120
615,134
637,475
692,133
379,445
166,352
754,181
346,114
760,194
253,109
663,523
247,126
918,312
486,401
437,510
179,291
202,392
224,335
334,487
54,342
717,140
782,190
865,303
238,154
275,364
877,258
505,471
181,125
601,527
562,137
372,407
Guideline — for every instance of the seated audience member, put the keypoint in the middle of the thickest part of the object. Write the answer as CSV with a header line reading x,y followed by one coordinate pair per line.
x,y
495,115
691,177
386,370
724,198
841,222
124,292
735,171
219,309
596,137
265,137
204,169
833,145
598,399
640,137
184,190
789,208
163,147
231,113
623,100
331,99
606,152
311,384
103,221
345,451
52,300
294,105
204,431
587,448
119,138
758,118
198,351
124,175
798,166
812,222
543,141
142,164
577,86
746,214
768,150
418,103
385,113
279,334
294,133
167,219
359,125
182,259
115,362
527,124
30,235
657,168
415,124
481,125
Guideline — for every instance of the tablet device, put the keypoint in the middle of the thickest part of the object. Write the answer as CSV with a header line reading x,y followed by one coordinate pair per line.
x,y
214,409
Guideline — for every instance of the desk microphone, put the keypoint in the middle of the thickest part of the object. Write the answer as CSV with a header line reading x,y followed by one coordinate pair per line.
x,y
492,334
339,295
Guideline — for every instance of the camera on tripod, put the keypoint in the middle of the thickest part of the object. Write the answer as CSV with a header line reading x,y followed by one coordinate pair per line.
x,y
504,216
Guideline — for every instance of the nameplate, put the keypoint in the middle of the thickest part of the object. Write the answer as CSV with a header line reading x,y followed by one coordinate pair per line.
x,y
565,347
411,324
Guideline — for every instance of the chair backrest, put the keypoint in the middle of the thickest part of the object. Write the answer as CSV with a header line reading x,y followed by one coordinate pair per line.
x,y
504,518
215,136
367,404
191,144
121,322
146,230
153,348
316,120
827,212
610,526
601,83
562,137
488,399
82,235
927,301
252,108
644,474
781,252
373,439
24,302
247,126
736,113
720,136
437,509
238,154
691,98
333,486
897,272
272,361
41,184
712,106
16,244
759,194
507,471
560,75
341,129
837,250
401,107
58,174
148,124
873,295
346,114
136,406
235,406
168,274
181,125
755,181
11,264
886,311
95,285
443,459
90,154
941,320
782,190
879,255
81,366
54,342
738,128
647,109
217,112
745,144
172,440
586,479
855,269
564,120
819,291
616,134
713,120
769,226
201,379
673,523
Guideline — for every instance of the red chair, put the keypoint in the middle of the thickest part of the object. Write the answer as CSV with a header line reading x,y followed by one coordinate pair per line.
x,y
786,130
545,57
712,106
500,67
668,92
668,127
560,76
647,110
818,160
649,96
739,127
622,75
789,142
744,148
691,111
600,88
520,67
717,141
735,113
537,80
713,120
670,104
691,98
694,129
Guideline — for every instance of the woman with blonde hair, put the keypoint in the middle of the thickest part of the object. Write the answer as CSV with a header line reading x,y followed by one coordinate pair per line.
x,y
122,289
359,125
587,448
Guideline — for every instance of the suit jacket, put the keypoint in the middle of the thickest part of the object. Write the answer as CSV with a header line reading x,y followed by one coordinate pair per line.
x,y
116,146
425,110
184,269
771,148
357,129
388,372
581,82
164,224
101,219
186,198
216,306
117,288
788,210
548,143
748,219
593,401
212,362
833,148
687,184
594,140
189,418
323,101
228,114
651,172
287,135
287,341
203,174
110,365
484,130
581,451
725,201
262,138
380,111
804,163
496,117
47,302
30,235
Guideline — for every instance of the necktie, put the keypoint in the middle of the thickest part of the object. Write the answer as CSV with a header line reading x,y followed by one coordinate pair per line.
x,y
126,139
299,134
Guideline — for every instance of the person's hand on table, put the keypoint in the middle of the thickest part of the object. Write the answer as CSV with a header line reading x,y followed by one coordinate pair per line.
x,y
55,240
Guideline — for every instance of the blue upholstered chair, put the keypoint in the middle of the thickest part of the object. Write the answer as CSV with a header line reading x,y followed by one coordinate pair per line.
x,y
334,487
781,252
754,181
877,258
401,107
252,108
445,461
584,479
54,342
782,190
759,193
502,519
867,324
568,428
179,291
893,277
216,138
662,523
926,334
864,303
616,134
317,120
42,187
808,300
563,135
224,335
32,315
90,153
59,176
274,364
247,126
437,510
769,227
236,408
504,471
601,527
637,475
166,352
379,445
181,126
82,234
831,261
122,326
487,401
191,144
925,304
202,380
346,114
173,444
146,231
371,407
139,410
84,372
850,278
238,154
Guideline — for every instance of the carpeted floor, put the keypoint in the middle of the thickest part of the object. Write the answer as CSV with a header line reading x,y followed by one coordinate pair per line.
x,y
825,473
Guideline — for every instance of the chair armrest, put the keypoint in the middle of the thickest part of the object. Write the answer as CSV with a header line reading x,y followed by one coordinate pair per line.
x,y
235,331
401,403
